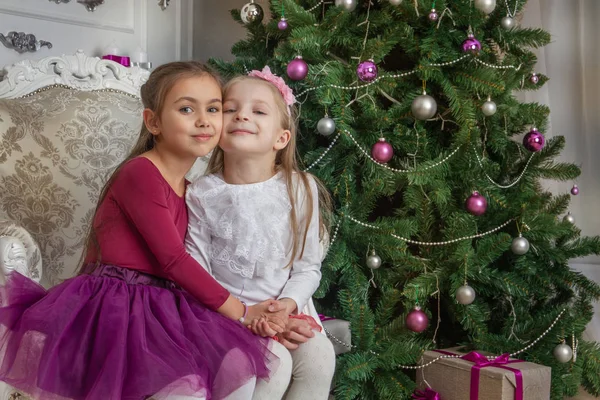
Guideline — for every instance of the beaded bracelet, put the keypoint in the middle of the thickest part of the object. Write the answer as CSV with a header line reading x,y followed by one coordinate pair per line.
x,y
243,318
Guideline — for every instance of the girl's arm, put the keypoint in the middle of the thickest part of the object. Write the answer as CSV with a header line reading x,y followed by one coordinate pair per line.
x,y
306,271
141,193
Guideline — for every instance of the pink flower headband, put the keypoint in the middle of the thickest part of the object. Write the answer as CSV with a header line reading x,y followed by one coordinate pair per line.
x,y
285,90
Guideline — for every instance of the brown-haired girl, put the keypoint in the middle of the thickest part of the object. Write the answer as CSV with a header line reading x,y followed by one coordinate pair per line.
x,y
139,321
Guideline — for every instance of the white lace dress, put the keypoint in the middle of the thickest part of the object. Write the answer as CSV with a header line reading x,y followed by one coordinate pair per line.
x,y
241,234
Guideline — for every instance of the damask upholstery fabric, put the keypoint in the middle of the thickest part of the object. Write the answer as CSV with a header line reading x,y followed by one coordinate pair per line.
x,y
57,148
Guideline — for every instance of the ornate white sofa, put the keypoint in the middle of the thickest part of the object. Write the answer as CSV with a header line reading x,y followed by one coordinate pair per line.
x,y
65,124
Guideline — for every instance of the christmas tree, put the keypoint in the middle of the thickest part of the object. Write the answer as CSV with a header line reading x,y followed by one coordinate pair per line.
x,y
443,234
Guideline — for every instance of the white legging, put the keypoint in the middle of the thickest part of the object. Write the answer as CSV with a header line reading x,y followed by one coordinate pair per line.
x,y
310,368
304,373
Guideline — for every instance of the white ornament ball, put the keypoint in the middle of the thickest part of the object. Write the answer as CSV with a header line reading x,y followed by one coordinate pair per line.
x,y
569,218
563,353
396,2
326,126
251,12
465,295
423,107
508,23
520,245
347,5
489,108
487,6
373,261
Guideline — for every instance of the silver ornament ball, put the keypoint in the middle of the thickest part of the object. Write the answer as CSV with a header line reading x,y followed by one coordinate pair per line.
x,y
373,261
465,295
488,108
251,12
508,23
486,6
569,218
326,126
563,353
520,246
347,5
396,2
423,107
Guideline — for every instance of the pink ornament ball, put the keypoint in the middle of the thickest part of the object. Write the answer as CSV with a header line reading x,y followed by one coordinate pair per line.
x,y
471,45
282,24
367,71
574,190
382,151
297,69
417,320
476,204
534,78
534,140
433,15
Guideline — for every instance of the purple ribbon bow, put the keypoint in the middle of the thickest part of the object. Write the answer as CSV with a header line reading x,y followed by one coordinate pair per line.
x,y
324,318
427,394
480,361
124,61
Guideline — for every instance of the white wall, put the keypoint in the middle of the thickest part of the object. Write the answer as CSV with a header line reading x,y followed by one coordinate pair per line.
x,y
215,31
164,35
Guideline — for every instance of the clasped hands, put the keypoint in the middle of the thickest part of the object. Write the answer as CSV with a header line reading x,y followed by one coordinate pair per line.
x,y
270,318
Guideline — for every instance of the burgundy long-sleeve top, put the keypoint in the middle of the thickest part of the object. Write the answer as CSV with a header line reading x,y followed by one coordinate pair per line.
x,y
141,225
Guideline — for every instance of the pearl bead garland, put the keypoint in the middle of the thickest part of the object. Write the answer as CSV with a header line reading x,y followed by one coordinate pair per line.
x,y
456,356
401,75
315,6
324,153
446,242
494,182
497,66
405,171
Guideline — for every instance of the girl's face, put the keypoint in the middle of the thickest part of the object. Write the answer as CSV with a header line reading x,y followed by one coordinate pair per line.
x,y
191,120
252,120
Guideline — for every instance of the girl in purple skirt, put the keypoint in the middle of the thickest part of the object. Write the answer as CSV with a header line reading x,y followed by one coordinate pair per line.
x,y
143,319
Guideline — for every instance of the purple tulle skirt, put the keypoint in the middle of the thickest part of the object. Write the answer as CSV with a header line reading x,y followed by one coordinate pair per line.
x,y
122,335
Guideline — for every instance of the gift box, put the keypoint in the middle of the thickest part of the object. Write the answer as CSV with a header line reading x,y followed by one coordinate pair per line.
x,y
124,61
475,377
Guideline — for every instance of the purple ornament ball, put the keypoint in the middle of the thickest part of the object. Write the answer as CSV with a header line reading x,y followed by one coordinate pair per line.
x,y
382,151
534,140
574,190
476,204
471,45
417,320
297,69
433,15
282,24
367,71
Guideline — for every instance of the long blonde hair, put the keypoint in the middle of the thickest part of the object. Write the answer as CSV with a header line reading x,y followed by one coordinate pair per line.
x,y
153,94
287,162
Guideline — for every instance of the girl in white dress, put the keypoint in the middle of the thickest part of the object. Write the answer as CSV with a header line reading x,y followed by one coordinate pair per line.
x,y
255,224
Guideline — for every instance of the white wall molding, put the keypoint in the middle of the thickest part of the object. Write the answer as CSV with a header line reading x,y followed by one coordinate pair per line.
x,y
67,19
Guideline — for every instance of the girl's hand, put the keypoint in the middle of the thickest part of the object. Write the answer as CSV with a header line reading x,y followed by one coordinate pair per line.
x,y
297,331
271,311
262,327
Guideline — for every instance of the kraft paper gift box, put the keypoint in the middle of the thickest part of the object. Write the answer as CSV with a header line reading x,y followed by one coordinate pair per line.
x,y
452,377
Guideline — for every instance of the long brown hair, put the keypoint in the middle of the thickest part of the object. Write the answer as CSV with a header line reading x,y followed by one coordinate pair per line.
x,y
153,94
286,161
